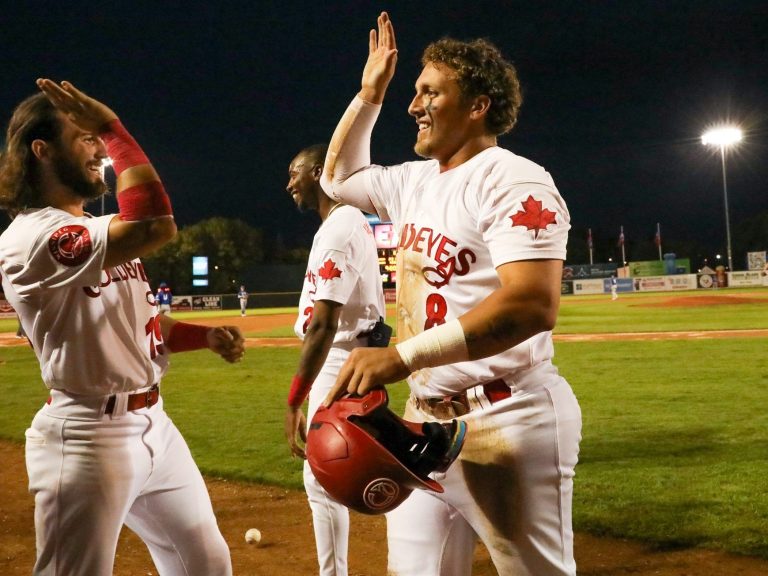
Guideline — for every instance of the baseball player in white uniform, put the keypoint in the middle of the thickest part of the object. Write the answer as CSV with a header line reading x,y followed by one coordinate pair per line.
x,y
101,452
342,301
482,236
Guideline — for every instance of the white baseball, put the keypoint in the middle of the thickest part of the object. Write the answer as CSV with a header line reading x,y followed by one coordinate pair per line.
x,y
253,536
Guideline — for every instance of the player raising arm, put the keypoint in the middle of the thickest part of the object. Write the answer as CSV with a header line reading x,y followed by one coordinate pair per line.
x,y
482,236
101,452
527,300
145,222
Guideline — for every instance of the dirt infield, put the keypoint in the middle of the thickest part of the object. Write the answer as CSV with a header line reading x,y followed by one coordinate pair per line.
x,y
287,547
283,515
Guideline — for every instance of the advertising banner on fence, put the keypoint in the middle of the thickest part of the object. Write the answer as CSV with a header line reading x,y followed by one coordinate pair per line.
x,y
665,283
601,286
182,303
584,271
206,302
659,267
595,286
744,279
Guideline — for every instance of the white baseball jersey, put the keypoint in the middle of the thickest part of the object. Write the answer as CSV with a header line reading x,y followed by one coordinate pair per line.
x,y
342,268
52,273
495,208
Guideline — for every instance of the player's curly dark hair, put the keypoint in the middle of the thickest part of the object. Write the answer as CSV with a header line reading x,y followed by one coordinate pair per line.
x,y
481,70
35,118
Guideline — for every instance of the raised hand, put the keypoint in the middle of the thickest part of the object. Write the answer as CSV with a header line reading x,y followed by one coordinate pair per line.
x,y
382,59
87,113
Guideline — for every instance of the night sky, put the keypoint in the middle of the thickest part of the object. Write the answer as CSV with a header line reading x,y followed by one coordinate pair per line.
x,y
221,95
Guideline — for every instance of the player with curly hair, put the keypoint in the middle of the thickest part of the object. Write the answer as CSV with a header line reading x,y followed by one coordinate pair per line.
x,y
482,237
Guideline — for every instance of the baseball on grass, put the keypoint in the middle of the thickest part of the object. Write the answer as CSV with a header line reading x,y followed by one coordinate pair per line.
x,y
253,536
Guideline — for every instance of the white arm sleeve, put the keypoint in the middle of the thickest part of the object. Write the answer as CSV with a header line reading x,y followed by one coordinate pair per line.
x,y
349,153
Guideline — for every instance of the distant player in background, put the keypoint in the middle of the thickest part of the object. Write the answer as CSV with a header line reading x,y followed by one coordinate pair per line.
x,y
614,287
242,295
341,303
164,298
101,452
482,235
20,329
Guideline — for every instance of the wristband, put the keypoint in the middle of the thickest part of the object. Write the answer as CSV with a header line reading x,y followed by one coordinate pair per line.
x,y
444,344
299,390
124,151
184,337
144,202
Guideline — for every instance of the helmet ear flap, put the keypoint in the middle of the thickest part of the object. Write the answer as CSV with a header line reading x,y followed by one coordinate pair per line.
x,y
370,460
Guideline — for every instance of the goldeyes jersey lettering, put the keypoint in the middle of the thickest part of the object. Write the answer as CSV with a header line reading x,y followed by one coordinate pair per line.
x,y
448,258
121,273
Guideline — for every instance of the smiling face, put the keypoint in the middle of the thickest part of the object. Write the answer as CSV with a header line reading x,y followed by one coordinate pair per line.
x,y
77,159
442,115
303,182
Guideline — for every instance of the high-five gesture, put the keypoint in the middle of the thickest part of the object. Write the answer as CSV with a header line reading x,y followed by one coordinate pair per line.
x,y
88,113
382,58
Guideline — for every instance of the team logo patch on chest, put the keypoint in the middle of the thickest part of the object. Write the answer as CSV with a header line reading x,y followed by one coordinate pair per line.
x,y
71,245
328,271
533,216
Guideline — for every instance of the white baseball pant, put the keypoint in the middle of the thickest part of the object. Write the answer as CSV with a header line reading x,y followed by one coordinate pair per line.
x,y
90,474
329,518
511,486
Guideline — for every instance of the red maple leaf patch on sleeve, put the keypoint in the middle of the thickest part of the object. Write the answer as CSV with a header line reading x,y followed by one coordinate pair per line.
x,y
328,271
533,216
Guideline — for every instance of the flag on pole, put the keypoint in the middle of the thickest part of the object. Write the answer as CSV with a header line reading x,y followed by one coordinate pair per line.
x,y
657,239
621,243
589,238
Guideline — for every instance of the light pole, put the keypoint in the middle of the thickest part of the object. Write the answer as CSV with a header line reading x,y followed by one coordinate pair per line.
x,y
107,162
724,137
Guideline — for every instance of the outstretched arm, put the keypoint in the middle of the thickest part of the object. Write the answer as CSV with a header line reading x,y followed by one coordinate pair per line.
x,y
226,341
349,148
145,222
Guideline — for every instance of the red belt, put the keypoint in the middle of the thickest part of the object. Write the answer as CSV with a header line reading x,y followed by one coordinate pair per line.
x,y
136,401
495,391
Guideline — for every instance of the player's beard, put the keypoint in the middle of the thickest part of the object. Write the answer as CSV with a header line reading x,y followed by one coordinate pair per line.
x,y
423,149
75,177
305,202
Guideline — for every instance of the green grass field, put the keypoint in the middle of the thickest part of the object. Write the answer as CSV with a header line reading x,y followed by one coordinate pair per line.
x,y
675,446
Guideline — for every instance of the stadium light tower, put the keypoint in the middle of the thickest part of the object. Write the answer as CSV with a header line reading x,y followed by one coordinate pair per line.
x,y
104,165
724,137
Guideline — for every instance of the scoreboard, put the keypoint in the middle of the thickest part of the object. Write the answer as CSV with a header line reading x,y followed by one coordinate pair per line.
x,y
386,245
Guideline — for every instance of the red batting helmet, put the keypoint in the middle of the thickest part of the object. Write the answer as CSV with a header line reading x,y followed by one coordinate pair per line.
x,y
370,460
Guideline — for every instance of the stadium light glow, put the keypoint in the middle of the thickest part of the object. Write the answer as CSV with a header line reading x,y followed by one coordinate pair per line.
x,y
723,137
106,162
